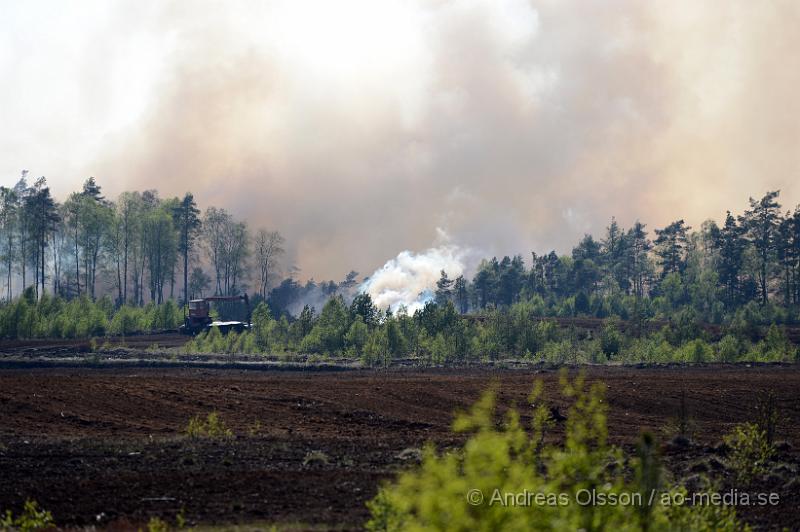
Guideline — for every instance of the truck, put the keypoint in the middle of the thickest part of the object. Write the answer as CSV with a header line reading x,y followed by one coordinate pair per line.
x,y
199,317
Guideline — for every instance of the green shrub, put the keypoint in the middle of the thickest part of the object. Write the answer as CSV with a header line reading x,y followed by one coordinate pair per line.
x,y
106,306
508,459
750,451
729,348
545,331
53,317
312,342
156,524
32,518
230,342
777,347
262,323
357,336
127,320
610,339
214,341
247,343
695,351
165,316
595,353
745,322
686,325
196,344
376,349
210,427
651,349
558,353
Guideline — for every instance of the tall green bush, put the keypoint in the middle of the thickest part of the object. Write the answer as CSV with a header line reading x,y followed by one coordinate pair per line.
x,y
477,487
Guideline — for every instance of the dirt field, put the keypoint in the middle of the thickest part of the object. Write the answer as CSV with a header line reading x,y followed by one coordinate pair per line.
x,y
52,346
105,446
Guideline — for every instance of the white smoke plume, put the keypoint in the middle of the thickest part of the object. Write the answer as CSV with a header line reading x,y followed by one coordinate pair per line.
x,y
410,278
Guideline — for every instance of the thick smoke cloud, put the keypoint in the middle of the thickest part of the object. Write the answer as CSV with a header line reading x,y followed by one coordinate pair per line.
x,y
408,279
514,125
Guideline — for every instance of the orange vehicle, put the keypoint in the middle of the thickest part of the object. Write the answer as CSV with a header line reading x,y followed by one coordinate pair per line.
x,y
199,318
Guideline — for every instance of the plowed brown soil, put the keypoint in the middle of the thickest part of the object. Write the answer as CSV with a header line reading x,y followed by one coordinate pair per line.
x,y
106,446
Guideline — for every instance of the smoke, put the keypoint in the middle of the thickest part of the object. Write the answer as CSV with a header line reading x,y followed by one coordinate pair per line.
x,y
314,298
410,278
355,128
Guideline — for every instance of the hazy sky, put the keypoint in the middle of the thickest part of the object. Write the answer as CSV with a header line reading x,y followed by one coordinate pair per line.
x,y
363,128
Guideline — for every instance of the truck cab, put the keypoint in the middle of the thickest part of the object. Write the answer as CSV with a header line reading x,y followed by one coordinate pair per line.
x,y
199,317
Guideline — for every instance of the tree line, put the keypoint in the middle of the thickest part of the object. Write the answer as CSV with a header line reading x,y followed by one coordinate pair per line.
x,y
140,248
714,271
438,335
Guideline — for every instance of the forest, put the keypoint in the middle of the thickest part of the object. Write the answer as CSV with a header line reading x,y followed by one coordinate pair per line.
x,y
90,267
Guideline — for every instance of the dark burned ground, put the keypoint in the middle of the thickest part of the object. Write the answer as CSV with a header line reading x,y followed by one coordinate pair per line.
x,y
105,446
52,346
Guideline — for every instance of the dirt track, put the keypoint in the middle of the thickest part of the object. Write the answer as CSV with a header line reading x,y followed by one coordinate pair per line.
x,y
100,446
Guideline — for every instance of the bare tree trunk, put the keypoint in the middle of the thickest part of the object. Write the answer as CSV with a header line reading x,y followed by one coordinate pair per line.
x,y
43,248
77,263
23,258
125,257
10,264
172,282
56,265
119,282
125,274
186,268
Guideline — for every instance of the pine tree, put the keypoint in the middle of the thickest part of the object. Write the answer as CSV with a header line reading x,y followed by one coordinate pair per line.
x,y
729,244
613,253
512,272
43,219
92,190
761,223
638,247
187,220
444,288
795,247
482,285
363,306
461,294
8,226
784,251
349,282
670,247
23,221
586,256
